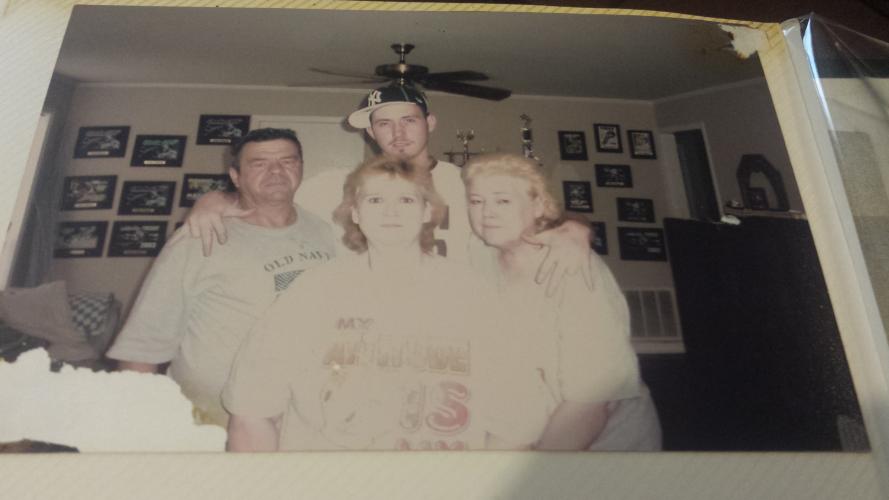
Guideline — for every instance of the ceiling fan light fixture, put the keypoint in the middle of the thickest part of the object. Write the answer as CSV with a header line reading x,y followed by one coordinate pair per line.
x,y
413,75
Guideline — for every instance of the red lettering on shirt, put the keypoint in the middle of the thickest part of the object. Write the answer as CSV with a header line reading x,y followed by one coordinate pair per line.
x,y
450,415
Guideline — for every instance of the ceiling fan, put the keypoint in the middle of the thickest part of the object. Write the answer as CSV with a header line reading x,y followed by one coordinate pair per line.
x,y
402,73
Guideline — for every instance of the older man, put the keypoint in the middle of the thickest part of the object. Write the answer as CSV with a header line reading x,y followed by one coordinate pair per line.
x,y
194,311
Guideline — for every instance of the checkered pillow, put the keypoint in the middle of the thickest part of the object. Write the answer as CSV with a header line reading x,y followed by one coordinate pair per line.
x,y
89,311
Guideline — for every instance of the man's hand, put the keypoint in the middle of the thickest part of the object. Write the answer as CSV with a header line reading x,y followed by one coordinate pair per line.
x,y
205,219
252,434
567,254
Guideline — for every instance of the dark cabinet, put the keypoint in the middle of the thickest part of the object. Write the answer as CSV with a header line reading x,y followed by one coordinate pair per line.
x,y
764,367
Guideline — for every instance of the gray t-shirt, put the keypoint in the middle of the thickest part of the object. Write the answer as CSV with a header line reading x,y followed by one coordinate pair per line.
x,y
195,311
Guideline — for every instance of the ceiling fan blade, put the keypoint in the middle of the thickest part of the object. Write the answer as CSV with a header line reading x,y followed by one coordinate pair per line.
x,y
348,74
402,73
466,75
372,82
468,89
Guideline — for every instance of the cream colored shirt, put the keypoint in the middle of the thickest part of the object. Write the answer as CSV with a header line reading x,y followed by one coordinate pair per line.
x,y
578,341
357,362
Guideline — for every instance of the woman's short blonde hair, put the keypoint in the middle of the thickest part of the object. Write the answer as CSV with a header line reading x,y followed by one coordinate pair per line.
x,y
518,166
353,238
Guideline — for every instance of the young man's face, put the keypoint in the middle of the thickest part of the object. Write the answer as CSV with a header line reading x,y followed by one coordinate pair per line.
x,y
270,172
402,131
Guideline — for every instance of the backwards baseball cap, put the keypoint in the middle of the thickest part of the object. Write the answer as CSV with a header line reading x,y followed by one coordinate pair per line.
x,y
385,96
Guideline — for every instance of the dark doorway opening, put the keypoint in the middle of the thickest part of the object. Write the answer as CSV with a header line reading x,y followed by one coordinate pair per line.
x,y
695,164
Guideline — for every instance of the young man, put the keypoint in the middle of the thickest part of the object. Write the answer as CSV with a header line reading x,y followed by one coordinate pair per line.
x,y
194,311
397,118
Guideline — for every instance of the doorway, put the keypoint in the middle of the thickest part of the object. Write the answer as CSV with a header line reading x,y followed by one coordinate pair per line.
x,y
703,203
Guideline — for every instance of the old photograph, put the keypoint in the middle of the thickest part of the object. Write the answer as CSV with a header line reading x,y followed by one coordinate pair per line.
x,y
641,243
137,238
421,331
572,145
222,129
635,210
101,142
642,144
614,176
88,192
146,198
578,196
196,185
158,151
80,239
608,138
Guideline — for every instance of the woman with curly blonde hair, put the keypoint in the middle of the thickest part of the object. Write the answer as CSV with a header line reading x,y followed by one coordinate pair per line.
x,y
576,341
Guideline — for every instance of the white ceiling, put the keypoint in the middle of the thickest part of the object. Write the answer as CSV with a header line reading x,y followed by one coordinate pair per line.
x,y
533,54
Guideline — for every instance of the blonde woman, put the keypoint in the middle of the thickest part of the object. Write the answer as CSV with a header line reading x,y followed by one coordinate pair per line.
x,y
388,348
577,342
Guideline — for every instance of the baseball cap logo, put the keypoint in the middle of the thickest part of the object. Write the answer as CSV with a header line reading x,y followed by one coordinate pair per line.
x,y
375,97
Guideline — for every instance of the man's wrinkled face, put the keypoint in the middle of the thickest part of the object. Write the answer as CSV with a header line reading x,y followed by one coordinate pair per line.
x,y
401,130
270,172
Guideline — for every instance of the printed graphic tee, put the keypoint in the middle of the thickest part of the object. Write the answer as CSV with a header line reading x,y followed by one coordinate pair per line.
x,y
361,362
195,311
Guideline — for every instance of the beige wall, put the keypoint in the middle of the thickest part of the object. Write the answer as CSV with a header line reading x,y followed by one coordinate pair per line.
x,y
738,119
175,110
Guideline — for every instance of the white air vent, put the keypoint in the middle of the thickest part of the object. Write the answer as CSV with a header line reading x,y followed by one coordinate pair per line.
x,y
654,320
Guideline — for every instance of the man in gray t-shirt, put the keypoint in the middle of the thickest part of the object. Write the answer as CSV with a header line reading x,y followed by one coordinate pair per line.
x,y
194,311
